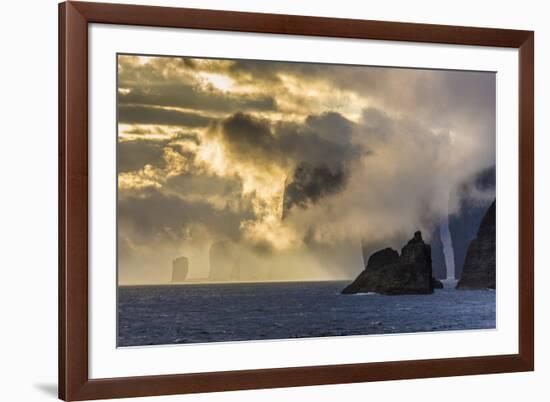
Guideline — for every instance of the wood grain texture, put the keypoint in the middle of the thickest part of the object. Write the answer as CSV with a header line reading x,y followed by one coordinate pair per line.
x,y
298,25
527,201
74,382
73,199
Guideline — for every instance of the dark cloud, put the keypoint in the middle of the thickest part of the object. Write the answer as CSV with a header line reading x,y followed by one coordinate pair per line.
x,y
173,82
249,138
131,72
447,98
479,189
270,72
177,94
319,152
257,70
136,114
289,144
154,216
331,126
370,80
135,154
311,183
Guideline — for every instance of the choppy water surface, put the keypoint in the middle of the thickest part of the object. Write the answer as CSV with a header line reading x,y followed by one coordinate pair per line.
x,y
156,315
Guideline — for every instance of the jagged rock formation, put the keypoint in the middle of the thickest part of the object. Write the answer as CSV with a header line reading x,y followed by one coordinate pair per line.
x,y
180,268
388,273
224,262
480,262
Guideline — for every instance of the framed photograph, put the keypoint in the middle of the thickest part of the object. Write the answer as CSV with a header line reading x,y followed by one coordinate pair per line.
x,y
259,200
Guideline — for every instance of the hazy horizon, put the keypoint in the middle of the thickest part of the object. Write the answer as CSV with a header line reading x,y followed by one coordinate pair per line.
x,y
288,168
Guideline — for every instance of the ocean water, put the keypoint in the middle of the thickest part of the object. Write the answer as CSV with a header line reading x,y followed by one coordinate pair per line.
x,y
174,314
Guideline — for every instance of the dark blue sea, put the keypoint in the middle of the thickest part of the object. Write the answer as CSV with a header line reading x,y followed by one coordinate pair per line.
x,y
191,313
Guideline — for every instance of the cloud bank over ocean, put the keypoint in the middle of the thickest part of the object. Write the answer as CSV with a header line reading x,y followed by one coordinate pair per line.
x,y
295,164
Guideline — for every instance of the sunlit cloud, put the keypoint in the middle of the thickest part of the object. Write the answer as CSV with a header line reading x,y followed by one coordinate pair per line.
x,y
286,159
218,81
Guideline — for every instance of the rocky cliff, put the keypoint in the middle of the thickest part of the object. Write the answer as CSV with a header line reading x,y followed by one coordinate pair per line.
x,y
480,261
463,224
389,273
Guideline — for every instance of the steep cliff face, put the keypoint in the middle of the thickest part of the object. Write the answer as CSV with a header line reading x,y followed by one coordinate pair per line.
x,y
463,224
480,261
391,274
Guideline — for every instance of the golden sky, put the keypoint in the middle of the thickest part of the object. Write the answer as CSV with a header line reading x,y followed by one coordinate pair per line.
x,y
291,166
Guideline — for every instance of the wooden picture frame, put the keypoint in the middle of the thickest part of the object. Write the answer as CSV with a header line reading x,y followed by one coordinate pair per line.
x,y
74,381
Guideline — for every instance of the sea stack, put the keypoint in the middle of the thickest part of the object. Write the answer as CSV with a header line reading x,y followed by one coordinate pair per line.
x,y
180,268
224,262
480,261
439,265
391,274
